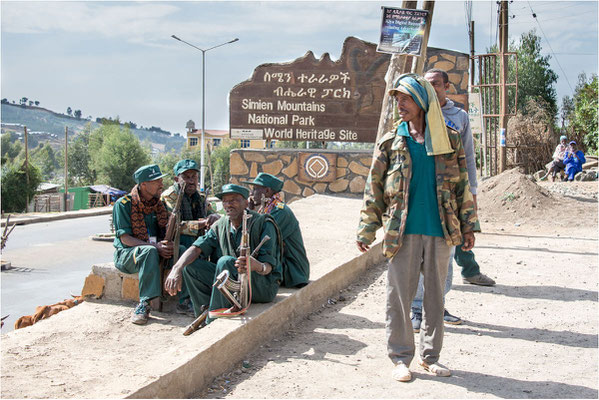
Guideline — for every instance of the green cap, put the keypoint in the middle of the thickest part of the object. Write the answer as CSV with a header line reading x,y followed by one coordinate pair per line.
x,y
148,173
267,180
185,165
231,188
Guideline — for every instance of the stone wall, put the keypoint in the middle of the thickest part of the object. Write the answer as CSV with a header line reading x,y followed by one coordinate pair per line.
x,y
352,170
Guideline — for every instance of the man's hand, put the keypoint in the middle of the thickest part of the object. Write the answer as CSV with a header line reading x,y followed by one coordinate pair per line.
x,y
362,247
240,264
468,241
212,218
251,203
165,248
173,282
475,203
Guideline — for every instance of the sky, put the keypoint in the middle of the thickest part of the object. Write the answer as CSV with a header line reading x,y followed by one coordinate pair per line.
x,y
112,58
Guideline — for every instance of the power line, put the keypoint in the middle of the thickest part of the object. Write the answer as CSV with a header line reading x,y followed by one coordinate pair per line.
x,y
551,48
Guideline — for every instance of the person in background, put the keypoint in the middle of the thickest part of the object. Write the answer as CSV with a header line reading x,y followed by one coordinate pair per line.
x,y
573,160
557,165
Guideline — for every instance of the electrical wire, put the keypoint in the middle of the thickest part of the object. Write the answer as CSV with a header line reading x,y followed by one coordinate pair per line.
x,y
551,48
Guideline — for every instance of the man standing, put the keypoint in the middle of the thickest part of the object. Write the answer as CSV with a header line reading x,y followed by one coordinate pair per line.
x,y
223,240
457,119
140,220
296,267
196,214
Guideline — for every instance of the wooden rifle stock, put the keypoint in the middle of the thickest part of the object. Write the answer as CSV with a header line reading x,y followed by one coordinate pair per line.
x,y
244,251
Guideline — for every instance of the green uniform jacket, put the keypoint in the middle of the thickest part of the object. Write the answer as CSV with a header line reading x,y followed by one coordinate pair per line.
x,y
387,190
121,219
296,267
190,229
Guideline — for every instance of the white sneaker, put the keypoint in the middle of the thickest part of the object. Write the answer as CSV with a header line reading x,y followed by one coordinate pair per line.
x,y
401,372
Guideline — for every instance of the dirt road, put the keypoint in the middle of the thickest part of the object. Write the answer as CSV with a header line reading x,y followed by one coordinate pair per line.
x,y
533,335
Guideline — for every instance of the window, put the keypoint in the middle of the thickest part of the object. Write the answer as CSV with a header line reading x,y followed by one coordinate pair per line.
x,y
245,143
193,141
216,142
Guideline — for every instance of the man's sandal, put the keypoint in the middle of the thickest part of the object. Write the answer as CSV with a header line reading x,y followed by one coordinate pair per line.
x,y
435,368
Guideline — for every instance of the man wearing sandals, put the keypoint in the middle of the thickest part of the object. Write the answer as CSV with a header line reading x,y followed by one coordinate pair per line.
x,y
417,189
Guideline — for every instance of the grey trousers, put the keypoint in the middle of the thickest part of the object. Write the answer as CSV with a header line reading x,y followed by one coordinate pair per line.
x,y
429,255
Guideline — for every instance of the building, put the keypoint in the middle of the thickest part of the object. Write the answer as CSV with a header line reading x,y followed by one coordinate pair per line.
x,y
215,138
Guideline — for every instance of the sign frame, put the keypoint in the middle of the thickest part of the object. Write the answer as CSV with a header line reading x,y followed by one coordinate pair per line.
x,y
402,31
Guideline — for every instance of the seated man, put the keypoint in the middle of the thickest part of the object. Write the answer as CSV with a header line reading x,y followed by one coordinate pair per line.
x,y
573,161
196,214
296,267
140,220
557,165
223,239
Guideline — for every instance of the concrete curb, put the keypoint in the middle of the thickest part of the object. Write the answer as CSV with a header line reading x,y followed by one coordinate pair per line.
x,y
264,323
25,220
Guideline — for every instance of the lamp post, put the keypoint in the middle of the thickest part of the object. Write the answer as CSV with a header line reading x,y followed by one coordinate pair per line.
x,y
202,164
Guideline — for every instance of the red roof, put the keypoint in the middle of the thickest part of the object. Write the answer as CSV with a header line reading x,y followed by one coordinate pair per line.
x,y
211,132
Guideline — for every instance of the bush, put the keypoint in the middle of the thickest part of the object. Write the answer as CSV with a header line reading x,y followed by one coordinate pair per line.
x,y
15,190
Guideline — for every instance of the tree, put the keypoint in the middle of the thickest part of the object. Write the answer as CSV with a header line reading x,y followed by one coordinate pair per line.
x,y
44,157
10,149
77,114
30,103
37,103
5,101
79,170
584,116
69,111
566,111
535,76
119,153
23,101
15,190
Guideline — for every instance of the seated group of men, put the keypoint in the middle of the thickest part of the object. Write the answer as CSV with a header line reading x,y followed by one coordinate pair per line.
x,y
209,244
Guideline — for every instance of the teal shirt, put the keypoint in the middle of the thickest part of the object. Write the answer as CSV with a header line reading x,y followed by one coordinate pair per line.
x,y
423,210
121,219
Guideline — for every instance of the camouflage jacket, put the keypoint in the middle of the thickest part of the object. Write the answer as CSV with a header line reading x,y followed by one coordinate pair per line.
x,y
387,190
190,227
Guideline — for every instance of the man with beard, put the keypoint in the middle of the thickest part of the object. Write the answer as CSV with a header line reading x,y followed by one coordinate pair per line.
x,y
223,240
196,214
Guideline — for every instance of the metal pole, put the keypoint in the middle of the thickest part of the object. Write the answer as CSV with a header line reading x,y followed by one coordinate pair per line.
x,y
418,66
203,118
472,68
26,167
66,168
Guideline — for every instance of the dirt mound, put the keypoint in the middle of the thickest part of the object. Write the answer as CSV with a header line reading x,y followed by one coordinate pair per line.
x,y
511,197
512,190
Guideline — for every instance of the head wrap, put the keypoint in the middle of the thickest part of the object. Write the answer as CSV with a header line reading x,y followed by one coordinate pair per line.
x,y
436,140
563,137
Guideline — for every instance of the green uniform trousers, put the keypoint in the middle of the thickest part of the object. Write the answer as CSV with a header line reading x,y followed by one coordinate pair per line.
x,y
201,274
465,259
145,261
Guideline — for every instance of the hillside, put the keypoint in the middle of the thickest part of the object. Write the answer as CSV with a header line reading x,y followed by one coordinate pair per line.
x,y
48,126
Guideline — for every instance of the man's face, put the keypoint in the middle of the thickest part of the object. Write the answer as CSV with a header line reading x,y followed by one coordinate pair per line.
x,y
436,81
564,142
153,188
407,107
190,177
258,191
234,204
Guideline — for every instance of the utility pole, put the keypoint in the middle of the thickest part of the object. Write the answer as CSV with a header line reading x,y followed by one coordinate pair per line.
x,y
26,166
66,168
472,55
418,66
503,48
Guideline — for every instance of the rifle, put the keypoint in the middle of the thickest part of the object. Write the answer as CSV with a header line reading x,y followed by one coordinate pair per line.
x,y
244,251
172,235
197,323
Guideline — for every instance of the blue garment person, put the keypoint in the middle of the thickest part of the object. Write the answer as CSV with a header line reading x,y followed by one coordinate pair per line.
x,y
573,160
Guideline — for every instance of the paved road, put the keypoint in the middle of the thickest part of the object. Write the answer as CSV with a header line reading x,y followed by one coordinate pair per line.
x,y
50,261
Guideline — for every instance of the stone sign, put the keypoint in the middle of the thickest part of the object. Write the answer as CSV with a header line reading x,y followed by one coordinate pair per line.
x,y
315,100
324,100
317,167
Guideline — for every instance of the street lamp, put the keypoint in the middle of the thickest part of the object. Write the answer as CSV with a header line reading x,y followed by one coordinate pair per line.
x,y
202,165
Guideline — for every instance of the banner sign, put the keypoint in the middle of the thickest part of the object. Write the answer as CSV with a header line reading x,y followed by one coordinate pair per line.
x,y
313,99
402,31
474,113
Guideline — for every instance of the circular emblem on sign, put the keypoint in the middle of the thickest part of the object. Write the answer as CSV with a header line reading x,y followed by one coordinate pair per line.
x,y
316,166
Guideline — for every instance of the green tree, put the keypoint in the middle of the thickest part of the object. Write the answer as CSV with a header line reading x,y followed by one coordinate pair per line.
x,y
118,156
80,173
10,149
77,114
15,190
219,159
45,158
69,111
535,76
584,116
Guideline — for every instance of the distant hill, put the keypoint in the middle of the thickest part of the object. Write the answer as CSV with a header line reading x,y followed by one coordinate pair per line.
x,y
48,126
